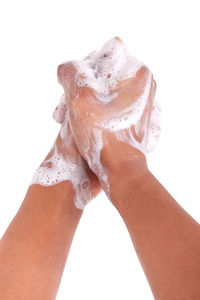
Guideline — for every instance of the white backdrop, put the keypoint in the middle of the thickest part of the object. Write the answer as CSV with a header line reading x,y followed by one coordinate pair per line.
x,y
38,35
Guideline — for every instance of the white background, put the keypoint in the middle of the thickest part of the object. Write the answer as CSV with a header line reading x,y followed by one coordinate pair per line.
x,y
38,35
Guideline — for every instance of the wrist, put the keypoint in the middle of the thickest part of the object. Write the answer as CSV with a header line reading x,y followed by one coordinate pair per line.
x,y
127,184
118,156
125,168
58,197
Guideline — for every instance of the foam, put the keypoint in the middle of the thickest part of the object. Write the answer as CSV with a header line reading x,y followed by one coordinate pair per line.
x,y
65,166
94,159
102,71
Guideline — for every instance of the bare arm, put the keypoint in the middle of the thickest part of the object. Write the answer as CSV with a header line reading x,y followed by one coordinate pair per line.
x,y
166,238
34,249
112,136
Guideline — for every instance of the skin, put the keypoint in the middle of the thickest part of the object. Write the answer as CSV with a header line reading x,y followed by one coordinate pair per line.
x,y
34,248
86,112
166,238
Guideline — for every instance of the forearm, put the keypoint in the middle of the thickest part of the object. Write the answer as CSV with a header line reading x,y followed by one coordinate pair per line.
x,y
166,238
34,249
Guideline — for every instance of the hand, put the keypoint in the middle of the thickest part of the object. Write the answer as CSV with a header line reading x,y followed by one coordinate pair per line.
x,y
64,162
107,109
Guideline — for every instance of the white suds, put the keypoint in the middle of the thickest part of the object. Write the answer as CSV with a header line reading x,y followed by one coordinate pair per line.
x,y
94,159
68,165
102,71
57,169
60,112
130,115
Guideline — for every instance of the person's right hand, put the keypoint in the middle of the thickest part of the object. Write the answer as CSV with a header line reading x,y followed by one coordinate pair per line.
x,y
126,117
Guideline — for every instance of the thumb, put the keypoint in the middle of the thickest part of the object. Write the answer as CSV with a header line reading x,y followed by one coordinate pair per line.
x,y
60,111
67,77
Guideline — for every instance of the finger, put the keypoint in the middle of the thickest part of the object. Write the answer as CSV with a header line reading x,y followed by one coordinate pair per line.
x,y
142,126
60,111
67,77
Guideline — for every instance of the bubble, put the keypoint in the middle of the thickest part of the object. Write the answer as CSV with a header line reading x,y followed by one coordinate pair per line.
x,y
85,185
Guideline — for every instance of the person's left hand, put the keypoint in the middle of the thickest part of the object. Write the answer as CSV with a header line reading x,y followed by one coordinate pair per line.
x,y
64,162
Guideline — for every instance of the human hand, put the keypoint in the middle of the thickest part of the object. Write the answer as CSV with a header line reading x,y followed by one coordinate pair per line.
x,y
111,98
64,162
